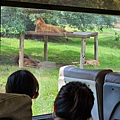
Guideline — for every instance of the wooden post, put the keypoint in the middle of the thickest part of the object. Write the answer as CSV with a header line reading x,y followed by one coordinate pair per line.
x,y
82,55
45,48
96,47
21,51
0,49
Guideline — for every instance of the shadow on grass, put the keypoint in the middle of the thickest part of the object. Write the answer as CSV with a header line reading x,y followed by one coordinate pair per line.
x,y
66,56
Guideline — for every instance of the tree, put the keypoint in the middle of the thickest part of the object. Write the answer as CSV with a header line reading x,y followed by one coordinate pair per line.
x,y
82,21
14,21
18,20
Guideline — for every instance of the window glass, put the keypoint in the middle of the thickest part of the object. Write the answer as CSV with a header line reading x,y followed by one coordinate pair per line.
x,y
16,20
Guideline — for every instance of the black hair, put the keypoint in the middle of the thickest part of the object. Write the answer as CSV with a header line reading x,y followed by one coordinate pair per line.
x,y
74,101
22,82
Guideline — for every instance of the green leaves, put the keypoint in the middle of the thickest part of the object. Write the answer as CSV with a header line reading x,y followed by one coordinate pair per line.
x,y
13,21
18,20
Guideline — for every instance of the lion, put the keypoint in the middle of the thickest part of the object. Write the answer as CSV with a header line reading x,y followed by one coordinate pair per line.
x,y
41,26
28,62
92,62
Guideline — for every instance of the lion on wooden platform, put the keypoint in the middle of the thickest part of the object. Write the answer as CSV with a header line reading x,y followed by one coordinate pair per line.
x,y
41,26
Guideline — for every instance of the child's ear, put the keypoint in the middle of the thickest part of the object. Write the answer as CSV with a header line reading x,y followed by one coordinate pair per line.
x,y
36,95
55,107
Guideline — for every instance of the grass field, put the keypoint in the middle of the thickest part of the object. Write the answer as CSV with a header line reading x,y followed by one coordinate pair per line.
x,y
59,51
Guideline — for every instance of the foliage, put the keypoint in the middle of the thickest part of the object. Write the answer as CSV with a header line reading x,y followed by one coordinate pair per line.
x,y
117,36
82,21
14,21
19,20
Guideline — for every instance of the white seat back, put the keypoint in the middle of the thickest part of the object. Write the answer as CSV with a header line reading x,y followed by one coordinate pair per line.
x,y
111,96
93,78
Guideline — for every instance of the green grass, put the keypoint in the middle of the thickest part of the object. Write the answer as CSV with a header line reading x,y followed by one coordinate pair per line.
x,y
59,51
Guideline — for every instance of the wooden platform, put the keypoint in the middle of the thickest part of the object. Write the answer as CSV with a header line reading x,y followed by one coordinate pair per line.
x,y
82,35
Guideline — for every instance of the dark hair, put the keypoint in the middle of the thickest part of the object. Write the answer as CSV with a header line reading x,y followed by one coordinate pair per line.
x,y
74,101
22,82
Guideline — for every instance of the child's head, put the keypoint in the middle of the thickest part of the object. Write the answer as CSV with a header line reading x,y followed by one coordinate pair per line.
x,y
23,82
74,102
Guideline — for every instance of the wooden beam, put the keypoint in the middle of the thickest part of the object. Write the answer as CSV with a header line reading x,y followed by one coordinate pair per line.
x,y
68,34
45,48
82,54
21,51
96,47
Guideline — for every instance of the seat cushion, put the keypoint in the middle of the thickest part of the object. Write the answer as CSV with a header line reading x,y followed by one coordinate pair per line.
x,y
15,106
